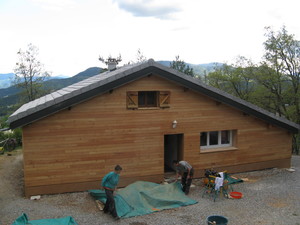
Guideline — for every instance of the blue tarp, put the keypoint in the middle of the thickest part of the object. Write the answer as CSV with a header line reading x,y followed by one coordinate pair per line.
x,y
142,198
23,220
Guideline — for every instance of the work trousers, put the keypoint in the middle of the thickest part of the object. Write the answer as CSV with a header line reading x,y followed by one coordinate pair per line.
x,y
186,183
110,206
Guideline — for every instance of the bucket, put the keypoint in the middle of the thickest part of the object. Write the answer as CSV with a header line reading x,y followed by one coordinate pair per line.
x,y
216,220
236,194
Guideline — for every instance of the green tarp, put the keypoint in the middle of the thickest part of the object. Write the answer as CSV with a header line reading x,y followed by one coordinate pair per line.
x,y
142,198
232,180
23,220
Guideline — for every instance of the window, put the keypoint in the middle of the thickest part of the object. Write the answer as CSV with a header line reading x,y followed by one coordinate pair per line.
x,y
216,139
148,99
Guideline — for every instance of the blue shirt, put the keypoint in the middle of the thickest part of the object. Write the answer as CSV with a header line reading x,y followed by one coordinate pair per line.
x,y
110,180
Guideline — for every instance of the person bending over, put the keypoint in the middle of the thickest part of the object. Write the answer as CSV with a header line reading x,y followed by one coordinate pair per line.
x,y
186,171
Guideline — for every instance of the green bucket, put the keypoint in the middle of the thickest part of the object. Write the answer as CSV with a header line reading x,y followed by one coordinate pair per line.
x,y
216,220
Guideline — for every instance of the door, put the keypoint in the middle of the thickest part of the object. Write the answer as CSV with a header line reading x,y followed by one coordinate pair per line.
x,y
173,144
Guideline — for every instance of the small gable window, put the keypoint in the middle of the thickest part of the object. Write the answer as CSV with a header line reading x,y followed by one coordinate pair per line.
x,y
148,99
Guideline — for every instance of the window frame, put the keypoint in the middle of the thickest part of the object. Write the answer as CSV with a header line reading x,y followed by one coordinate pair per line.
x,y
148,95
162,100
219,145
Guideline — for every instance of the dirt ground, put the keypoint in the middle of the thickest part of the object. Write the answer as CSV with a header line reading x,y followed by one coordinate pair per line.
x,y
272,197
12,190
11,173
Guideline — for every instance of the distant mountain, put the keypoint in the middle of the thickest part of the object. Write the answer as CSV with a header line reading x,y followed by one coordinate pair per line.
x,y
55,84
199,69
57,77
165,63
9,97
6,79
204,69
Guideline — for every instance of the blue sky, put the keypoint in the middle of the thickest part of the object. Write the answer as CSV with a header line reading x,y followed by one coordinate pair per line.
x,y
71,34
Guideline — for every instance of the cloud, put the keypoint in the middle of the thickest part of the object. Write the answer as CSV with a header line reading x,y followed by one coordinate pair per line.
x,y
149,8
55,5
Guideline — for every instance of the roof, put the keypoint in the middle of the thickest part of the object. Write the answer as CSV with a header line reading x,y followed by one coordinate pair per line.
x,y
104,82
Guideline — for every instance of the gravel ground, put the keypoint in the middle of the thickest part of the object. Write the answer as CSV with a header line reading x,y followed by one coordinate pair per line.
x,y
269,197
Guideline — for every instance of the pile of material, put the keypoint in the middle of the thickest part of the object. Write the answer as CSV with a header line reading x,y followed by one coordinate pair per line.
x,y
142,198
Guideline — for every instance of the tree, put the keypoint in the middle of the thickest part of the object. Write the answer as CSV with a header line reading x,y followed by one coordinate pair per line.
x,y
282,55
181,66
110,59
236,79
29,73
273,86
140,56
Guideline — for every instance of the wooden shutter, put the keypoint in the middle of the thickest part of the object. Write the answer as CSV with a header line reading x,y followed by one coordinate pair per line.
x,y
132,100
164,99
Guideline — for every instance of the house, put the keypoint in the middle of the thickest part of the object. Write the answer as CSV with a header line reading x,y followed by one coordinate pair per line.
x,y
142,116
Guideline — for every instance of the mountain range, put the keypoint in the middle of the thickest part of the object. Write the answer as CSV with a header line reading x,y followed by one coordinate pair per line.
x,y
9,96
199,69
7,78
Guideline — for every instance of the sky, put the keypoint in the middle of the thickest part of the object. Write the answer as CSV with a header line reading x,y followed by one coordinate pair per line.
x,y
72,34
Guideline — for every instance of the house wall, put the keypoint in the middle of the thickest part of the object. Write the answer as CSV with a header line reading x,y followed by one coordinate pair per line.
x,y
74,148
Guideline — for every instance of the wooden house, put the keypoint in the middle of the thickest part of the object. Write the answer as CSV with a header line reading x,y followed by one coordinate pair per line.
x,y
143,116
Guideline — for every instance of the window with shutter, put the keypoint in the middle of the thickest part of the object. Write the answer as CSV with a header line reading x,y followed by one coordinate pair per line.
x,y
148,99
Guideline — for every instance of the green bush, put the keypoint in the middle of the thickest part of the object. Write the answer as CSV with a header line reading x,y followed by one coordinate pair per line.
x,y
18,136
9,140
14,136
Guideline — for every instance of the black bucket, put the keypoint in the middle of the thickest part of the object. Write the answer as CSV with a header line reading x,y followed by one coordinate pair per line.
x,y
216,220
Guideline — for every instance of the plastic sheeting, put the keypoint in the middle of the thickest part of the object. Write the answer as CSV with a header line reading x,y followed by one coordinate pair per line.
x,y
23,220
232,180
142,198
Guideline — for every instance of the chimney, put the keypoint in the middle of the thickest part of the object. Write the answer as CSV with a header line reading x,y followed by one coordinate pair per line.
x,y
111,62
112,65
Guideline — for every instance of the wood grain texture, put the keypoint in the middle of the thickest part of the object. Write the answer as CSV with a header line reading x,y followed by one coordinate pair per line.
x,y
84,143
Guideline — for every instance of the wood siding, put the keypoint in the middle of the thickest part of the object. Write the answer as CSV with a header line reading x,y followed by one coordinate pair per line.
x,y
73,149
